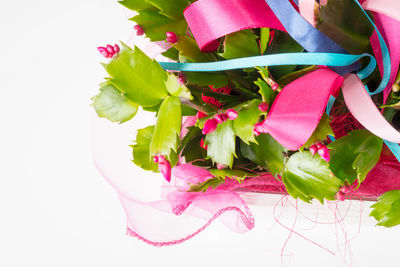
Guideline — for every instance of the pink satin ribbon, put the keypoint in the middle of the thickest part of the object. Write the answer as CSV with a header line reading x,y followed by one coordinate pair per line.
x,y
364,110
298,108
390,8
212,19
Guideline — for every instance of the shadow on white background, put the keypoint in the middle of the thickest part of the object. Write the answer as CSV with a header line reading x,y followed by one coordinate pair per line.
x,y
57,210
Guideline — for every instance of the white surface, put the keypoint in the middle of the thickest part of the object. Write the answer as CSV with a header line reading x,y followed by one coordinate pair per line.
x,y
55,208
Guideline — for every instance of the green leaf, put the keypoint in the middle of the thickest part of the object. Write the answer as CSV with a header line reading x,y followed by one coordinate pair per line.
x,y
112,105
265,91
307,176
141,153
221,144
354,155
321,132
264,39
135,5
238,175
243,125
141,78
240,44
177,89
171,53
387,210
155,25
203,187
285,80
283,43
216,79
346,24
168,128
189,49
267,153
172,9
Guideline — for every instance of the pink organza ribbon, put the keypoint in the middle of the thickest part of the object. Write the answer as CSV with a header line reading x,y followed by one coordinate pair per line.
x,y
212,19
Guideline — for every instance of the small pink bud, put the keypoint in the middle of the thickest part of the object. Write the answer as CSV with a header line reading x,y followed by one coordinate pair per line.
x,y
324,153
231,114
275,86
210,126
221,118
103,51
181,78
110,49
259,128
200,115
220,166
139,30
204,146
320,145
164,167
171,37
156,159
263,107
340,196
313,149
116,48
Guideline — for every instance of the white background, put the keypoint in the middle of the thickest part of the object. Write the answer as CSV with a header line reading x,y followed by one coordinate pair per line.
x,y
55,208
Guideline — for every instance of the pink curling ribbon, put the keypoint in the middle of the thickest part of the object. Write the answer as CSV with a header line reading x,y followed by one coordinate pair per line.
x,y
211,19
306,9
364,110
298,108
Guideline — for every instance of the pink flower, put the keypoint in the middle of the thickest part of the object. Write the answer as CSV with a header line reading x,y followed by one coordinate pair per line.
x,y
204,146
139,30
324,153
313,149
171,37
109,51
263,107
231,114
210,126
164,167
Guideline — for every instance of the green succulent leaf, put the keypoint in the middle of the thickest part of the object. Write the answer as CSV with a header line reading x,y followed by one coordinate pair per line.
x,y
240,44
111,104
285,80
155,24
189,49
171,53
210,183
167,129
238,175
307,176
387,210
268,95
141,150
355,155
346,24
266,152
177,89
264,39
321,132
221,144
140,78
243,125
172,9
216,79
135,5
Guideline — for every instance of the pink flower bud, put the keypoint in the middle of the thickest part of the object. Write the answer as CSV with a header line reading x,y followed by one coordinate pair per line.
x,y
275,86
340,196
156,159
320,145
221,118
181,78
116,48
204,146
220,166
171,37
164,167
139,30
259,128
200,115
313,149
231,114
263,107
210,126
324,153
110,49
103,51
